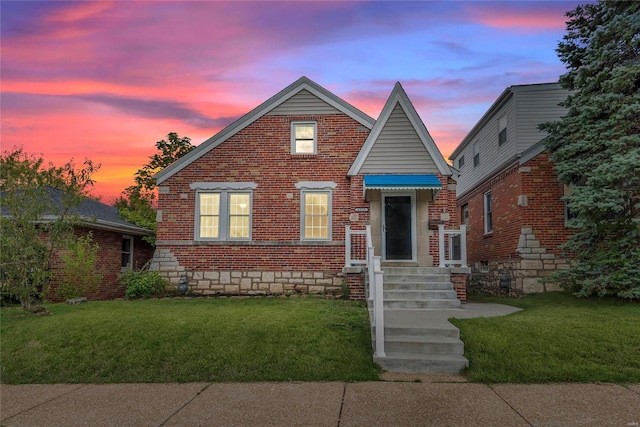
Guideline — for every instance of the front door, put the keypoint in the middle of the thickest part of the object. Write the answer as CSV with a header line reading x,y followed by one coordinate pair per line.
x,y
397,228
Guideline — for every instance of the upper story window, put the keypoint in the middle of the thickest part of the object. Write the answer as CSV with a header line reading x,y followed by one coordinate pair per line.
x,y
488,212
476,154
460,162
502,130
303,138
127,252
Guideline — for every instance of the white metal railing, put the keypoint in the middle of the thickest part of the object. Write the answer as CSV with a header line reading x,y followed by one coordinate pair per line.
x,y
452,246
355,247
359,251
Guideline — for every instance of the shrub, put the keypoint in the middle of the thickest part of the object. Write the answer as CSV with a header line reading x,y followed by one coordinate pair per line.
x,y
143,284
79,274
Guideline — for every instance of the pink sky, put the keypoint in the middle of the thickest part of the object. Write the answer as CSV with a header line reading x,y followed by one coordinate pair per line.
x,y
106,80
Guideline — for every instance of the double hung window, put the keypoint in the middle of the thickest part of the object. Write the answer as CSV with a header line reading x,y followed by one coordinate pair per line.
x,y
316,218
224,215
315,209
488,212
502,130
303,138
127,253
476,154
223,211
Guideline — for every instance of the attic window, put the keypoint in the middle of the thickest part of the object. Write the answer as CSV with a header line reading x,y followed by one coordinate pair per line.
x,y
303,138
461,162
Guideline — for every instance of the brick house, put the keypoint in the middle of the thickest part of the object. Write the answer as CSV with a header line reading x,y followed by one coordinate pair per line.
x,y
508,193
120,244
266,205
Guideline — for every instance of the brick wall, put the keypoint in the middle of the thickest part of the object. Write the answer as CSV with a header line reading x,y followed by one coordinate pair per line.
x,y
528,226
261,153
109,262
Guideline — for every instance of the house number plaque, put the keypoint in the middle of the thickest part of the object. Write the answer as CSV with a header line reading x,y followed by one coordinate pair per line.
x,y
361,209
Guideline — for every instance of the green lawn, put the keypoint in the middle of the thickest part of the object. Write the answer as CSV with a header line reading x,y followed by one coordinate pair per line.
x,y
557,338
176,340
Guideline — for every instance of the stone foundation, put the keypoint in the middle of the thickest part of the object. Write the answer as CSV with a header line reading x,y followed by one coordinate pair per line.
x,y
527,271
239,282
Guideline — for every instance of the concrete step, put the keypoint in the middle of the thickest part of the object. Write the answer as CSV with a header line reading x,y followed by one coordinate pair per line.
x,y
418,278
451,332
391,294
421,345
415,270
410,304
418,286
424,364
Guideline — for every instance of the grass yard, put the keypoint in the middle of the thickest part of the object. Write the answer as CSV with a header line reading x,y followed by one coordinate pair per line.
x,y
176,340
557,338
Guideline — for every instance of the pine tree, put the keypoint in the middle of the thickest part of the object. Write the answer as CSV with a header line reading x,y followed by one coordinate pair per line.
x,y
596,147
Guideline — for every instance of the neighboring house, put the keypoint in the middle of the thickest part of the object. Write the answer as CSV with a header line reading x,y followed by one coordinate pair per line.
x,y
263,206
120,243
508,192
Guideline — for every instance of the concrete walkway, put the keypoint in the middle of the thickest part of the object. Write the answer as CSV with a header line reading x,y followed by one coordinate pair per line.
x,y
436,401
397,400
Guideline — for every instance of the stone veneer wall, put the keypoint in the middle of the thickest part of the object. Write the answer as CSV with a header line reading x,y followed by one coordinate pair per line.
x,y
528,269
236,282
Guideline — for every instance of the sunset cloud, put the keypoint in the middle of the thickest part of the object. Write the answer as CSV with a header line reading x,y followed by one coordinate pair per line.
x,y
107,79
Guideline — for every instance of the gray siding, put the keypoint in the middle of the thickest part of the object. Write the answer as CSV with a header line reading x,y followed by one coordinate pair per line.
x,y
302,103
533,108
526,108
398,149
492,156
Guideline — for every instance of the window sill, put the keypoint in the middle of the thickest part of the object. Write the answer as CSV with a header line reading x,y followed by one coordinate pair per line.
x,y
488,234
303,156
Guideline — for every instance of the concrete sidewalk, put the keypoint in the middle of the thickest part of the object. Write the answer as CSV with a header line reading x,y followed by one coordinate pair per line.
x,y
436,401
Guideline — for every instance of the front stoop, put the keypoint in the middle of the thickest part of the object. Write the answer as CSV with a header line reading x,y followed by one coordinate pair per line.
x,y
418,339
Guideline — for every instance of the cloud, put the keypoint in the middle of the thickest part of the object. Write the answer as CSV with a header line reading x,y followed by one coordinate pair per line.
x,y
520,16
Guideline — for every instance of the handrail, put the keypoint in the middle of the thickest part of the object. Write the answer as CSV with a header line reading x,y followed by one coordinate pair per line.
x,y
351,246
446,253
376,293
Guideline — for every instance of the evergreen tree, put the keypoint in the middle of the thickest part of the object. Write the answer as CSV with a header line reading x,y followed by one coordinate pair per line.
x,y
596,147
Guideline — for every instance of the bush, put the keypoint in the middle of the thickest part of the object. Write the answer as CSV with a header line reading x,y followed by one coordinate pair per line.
x,y
143,284
79,274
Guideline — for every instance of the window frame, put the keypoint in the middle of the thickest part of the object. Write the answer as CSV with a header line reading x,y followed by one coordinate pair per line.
x,y
476,154
461,162
568,214
294,140
464,214
488,212
128,266
502,131
224,215
303,215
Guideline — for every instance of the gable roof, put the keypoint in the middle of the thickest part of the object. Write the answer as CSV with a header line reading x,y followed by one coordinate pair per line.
x,y
94,214
399,96
497,104
303,83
